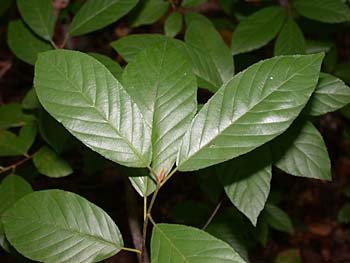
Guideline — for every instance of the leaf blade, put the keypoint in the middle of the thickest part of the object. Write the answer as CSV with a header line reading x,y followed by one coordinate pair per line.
x,y
244,121
93,106
55,234
95,15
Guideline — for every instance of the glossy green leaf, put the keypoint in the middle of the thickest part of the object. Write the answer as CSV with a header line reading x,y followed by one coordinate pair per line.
x,y
161,82
301,151
58,226
30,100
143,182
50,164
15,145
183,244
84,96
128,47
23,43
331,94
191,3
257,105
95,15
197,17
290,40
278,219
258,29
246,185
173,24
12,188
38,15
202,65
150,11
327,11
109,63
11,115
206,39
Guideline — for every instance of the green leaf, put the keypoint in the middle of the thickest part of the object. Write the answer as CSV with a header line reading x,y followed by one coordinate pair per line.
x,y
173,24
12,188
30,100
58,226
342,71
54,133
246,185
150,11
327,11
168,99
23,43
262,230
207,40
84,96
331,94
50,164
289,256
183,244
3,241
278,219
257,105
11,115
39,16
142,181
128,47
301,151
191,3
258,29
343,216
95,15
314,46
109,63
13,145
290,40
202,65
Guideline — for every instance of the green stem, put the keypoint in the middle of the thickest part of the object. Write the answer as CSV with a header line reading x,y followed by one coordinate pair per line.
x,y
131,250
53,44
15,165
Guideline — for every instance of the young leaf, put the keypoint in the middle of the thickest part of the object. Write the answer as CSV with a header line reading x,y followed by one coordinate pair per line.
x,y
257,105
30,100
207,40
12,188
39,16
109,63
258,29
290,40
11,115
246,185
301,151
278,219
191,3
13,145
173,24
161,82
95,15
150,11
327,11
50,164
331,94
84,96
23,43
183,244
57,226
